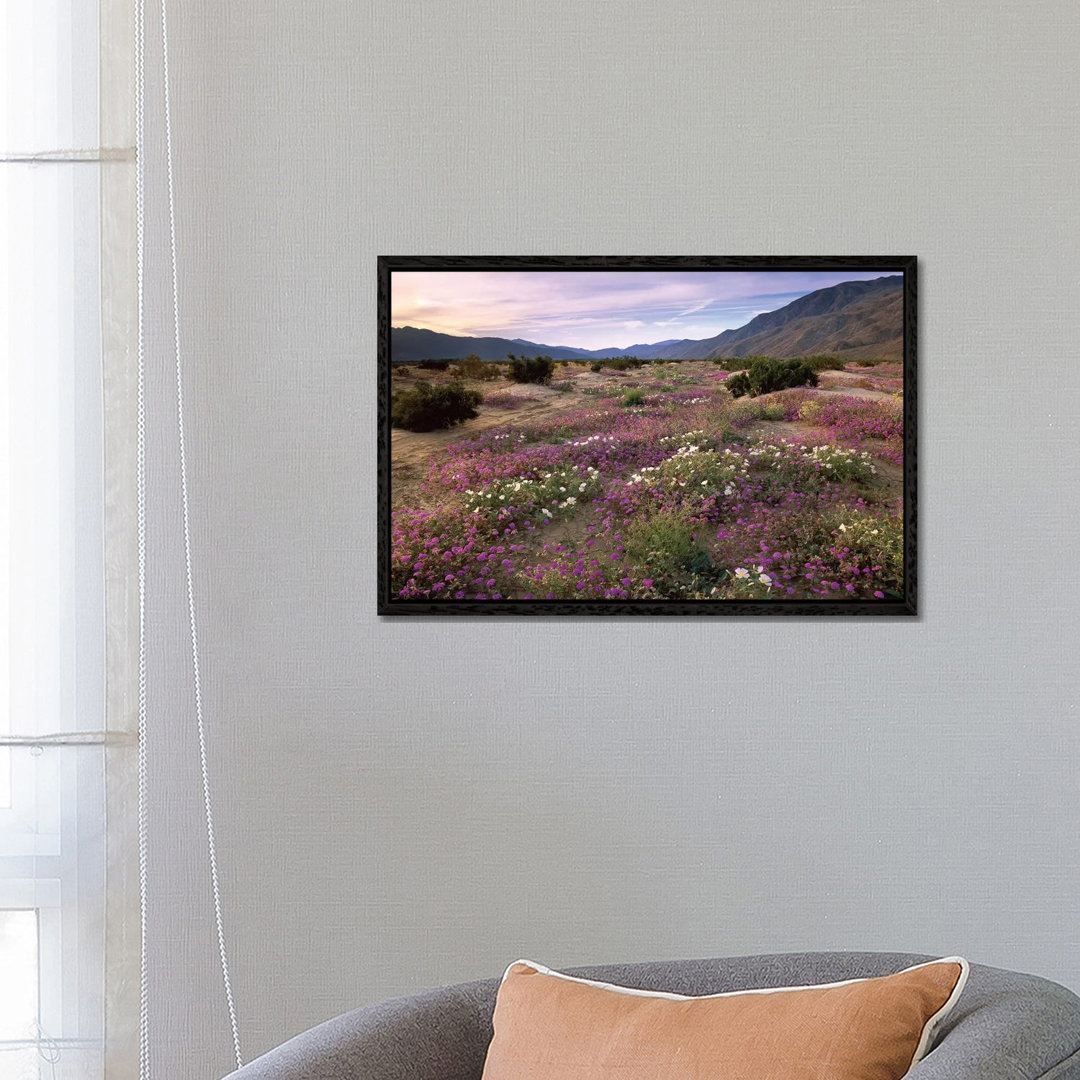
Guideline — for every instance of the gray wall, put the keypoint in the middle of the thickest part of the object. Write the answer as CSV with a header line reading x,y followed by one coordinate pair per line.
x,y
402,804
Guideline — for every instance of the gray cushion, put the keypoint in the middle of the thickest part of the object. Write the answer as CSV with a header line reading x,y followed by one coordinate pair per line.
x,y
1006,1026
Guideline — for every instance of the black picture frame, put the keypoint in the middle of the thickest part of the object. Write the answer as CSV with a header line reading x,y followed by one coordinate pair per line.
x,y
389,604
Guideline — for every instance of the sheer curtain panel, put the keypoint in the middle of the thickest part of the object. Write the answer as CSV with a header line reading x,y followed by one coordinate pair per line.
x,y
66,748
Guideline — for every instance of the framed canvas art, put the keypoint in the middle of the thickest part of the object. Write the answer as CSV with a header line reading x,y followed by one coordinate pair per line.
x,y
652,435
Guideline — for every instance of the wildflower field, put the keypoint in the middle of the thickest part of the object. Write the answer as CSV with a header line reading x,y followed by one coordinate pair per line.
x,y
654,484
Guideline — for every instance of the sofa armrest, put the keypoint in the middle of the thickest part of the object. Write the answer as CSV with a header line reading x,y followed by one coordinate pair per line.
x,y
1007,1026
441,1034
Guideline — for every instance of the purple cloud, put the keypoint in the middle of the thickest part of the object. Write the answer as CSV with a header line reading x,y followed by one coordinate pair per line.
x,y
594,309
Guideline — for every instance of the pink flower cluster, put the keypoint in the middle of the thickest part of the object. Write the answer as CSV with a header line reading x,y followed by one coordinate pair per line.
x,y
781,519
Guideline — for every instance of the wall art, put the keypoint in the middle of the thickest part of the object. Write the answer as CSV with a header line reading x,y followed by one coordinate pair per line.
x,y
650,435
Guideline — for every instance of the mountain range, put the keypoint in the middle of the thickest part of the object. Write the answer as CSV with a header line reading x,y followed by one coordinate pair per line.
x,y
855,319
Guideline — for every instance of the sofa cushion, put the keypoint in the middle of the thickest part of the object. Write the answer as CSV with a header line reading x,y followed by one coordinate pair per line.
x,y
552,1026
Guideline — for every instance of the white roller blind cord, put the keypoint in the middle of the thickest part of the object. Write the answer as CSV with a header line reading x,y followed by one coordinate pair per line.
x,y
140,457
140,105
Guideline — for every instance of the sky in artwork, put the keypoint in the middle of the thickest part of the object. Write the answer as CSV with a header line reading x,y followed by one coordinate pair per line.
x,y
598,309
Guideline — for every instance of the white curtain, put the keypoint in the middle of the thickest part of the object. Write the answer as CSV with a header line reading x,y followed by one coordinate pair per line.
x,y
60,203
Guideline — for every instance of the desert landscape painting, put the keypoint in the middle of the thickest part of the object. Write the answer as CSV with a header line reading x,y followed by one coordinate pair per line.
x,y
713,440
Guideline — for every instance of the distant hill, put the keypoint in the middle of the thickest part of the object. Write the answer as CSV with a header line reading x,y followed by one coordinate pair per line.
x,y
656,350
839,319
871,326
855,319
412,343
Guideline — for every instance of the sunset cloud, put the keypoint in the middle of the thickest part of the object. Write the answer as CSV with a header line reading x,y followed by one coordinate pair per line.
x,y
596,309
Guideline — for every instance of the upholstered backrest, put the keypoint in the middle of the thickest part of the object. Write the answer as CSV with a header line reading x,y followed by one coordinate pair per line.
x,y
1006,1026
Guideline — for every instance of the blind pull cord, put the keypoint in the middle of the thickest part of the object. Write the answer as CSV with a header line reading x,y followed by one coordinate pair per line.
x,y
140,95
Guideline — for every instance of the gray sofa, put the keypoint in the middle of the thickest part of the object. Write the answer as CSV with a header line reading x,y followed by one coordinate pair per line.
x,y
1005,1026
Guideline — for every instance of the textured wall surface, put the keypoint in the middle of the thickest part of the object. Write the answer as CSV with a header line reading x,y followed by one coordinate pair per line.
x,y
401,804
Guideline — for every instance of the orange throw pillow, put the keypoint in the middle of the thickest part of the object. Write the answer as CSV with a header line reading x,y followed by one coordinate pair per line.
x,y
550,1026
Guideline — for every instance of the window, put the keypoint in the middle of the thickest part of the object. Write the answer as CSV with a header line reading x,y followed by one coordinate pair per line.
x,y
52,578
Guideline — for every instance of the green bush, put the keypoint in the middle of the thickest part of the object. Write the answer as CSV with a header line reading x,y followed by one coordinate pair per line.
x,y
595,366
768,374
825,362
771,375
738,383
632,397
530,369
740,363
472,367
434,365
427,408
666,546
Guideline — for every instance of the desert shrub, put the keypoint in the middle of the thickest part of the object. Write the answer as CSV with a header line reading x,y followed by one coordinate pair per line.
x,y
426,408
472,367
768,374
531,369
828,362
564,386
632,397
666,546
434,365
741,363
595,366
738,384
622,363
